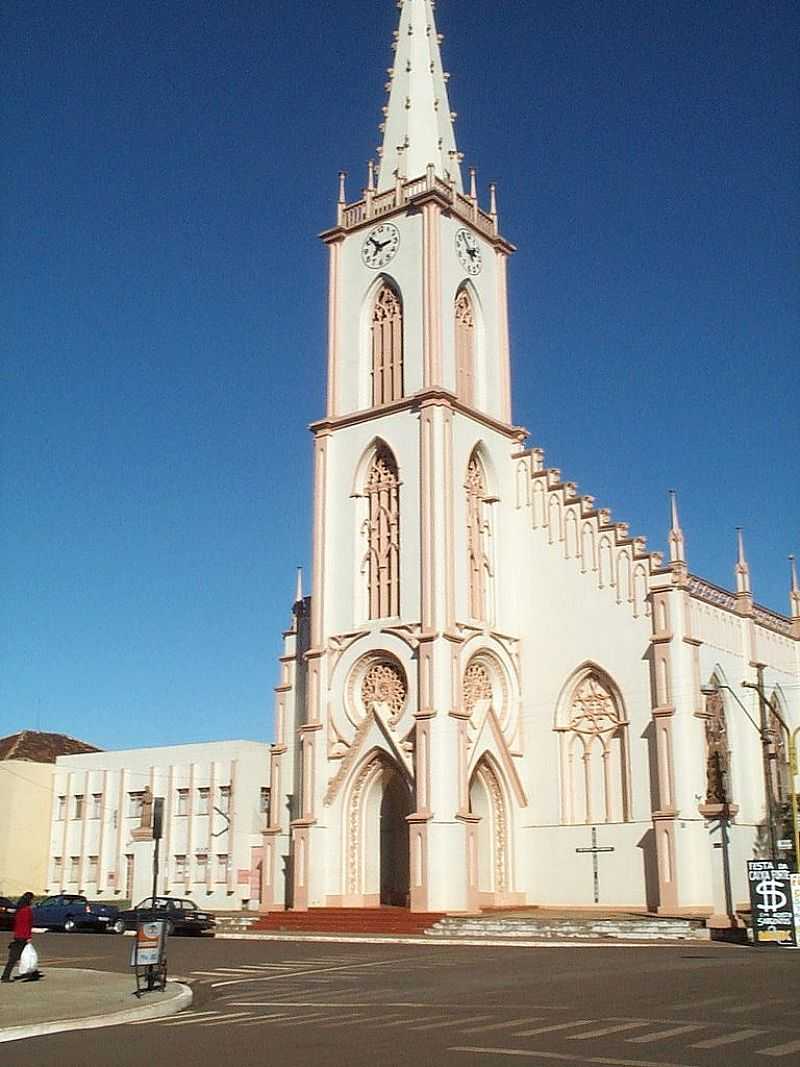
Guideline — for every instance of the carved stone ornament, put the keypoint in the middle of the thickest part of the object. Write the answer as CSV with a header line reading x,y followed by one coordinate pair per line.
x,y
593,709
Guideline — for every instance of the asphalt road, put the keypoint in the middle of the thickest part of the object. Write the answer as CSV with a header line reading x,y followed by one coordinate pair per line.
x,y
293,1004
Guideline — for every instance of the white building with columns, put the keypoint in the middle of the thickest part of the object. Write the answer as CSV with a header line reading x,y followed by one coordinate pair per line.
x,y
215,800
491,673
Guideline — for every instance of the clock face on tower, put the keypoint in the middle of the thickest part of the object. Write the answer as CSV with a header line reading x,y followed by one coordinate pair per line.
x,y
380,245
469,252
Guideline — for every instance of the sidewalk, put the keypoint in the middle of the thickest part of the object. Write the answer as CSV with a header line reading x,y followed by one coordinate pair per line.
x,y
69,999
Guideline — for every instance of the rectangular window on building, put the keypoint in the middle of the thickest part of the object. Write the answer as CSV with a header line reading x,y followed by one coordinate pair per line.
x,y
265,798
203,798
58,868
93,870
97,805
135,804
180,868
61,807
74,868
182,802
200,867
222,868
225,799
78,807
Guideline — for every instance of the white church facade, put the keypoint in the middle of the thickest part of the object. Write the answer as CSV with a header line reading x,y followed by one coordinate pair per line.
x,y
491,673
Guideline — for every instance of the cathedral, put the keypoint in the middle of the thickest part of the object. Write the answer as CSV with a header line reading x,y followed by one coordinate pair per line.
x,y
496,695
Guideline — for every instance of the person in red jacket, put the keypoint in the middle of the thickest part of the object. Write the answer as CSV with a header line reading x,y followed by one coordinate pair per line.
x,y
23,930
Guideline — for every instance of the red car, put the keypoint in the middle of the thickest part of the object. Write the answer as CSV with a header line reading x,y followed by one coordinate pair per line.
x,y
8,910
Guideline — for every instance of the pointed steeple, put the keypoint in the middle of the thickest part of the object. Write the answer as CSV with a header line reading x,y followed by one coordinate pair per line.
x,y
744,594
419,125
677,544
794,592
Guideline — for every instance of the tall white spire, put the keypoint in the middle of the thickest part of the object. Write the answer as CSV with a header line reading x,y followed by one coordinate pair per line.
x,y
418,129
677,545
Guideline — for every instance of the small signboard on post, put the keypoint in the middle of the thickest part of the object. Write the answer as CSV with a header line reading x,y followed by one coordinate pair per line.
x,y
771,893
149,955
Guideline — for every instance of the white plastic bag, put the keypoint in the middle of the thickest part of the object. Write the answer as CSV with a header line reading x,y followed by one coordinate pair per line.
x,y
28,961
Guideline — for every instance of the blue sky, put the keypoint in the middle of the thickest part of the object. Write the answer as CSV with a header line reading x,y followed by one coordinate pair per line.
x,y
167,167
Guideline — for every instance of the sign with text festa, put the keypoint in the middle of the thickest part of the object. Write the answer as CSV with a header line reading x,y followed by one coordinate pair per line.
x,y
771,902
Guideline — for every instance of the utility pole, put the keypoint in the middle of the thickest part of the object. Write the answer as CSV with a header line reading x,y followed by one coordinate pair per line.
x,y
766,755
158,824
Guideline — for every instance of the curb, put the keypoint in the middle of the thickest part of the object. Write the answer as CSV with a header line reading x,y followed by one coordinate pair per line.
x,y
141,1013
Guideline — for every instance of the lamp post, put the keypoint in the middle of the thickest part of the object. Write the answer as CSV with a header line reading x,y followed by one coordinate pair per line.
x,y
762,727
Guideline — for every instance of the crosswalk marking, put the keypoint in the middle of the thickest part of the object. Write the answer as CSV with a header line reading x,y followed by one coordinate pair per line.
x,y
539,1055
780,1050
555,1026
727,1039
500,1026
603,1031
662,1035
186,1016
181,1020
261,1019
321,1015
705,1003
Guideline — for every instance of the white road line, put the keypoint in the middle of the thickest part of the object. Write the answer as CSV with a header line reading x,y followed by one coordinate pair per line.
x,y
343,1020
501,1026
449,1022
618,1029
555,1026
705,1003
780,1050
563,1057
301,973
662,1035
185,1016
728,1039
261,1019
752,1006
181,1020
226,1017
295,1021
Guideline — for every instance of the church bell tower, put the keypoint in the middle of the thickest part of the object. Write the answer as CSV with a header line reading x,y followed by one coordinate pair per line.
x,y
407,679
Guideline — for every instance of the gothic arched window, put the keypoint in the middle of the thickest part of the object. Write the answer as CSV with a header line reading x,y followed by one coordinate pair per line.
x,y
718,756
465,348
595,785
382,562
387,347
479,535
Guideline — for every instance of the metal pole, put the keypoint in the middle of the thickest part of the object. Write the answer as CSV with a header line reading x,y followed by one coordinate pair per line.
x,y
795,770
763,730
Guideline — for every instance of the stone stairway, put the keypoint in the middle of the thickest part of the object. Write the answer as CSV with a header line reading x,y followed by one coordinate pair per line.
x,y
385,920
623,928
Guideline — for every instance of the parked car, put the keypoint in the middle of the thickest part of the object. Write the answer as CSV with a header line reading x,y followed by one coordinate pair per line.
x,y
8,910
182,916
70,912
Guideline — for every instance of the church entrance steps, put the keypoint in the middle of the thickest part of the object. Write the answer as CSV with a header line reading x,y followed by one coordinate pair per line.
x,y
621,928
349,921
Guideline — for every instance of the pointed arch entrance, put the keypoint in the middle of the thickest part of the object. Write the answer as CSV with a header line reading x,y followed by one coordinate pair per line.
x,y
488,837
377,834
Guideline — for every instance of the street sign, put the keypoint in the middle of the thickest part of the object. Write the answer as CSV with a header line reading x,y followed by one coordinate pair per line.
x,y
148,944
785,844
771,902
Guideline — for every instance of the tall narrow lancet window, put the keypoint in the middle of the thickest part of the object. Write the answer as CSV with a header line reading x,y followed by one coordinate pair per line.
x,y
779,758
383,535
479,535
387,347
594,753
465,348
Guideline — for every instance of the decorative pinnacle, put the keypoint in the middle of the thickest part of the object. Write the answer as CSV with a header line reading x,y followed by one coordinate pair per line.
x,y
794,592
677,544
742,569
342,197
298,593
